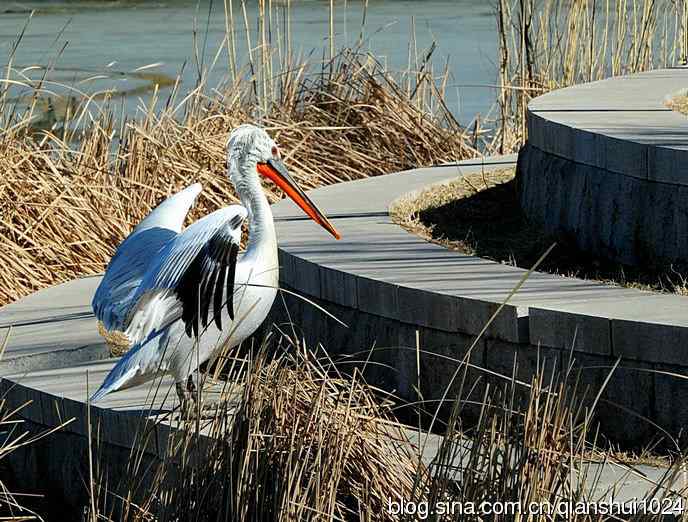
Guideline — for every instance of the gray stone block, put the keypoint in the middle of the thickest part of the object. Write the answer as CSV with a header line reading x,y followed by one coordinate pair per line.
x,y
507,361
556,199
32,407
52,410
474,314
377,297
535,127
681,223
586,148
575,185
626,401
406,360
306,276
657,232
286,267
429,309
615,217
77,411
671,401
448,369
650,342
375,348
667,165
609,214
567,330
624,131
625,157
441,354
559,139
121,429
338,287
16,397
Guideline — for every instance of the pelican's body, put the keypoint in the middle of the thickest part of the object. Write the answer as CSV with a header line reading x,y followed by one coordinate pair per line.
x,y
180,297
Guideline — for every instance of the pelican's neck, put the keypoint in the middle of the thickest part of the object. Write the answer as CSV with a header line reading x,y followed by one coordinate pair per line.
x,y
262,239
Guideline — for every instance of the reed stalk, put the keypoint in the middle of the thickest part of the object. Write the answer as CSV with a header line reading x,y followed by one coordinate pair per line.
x,y
551,44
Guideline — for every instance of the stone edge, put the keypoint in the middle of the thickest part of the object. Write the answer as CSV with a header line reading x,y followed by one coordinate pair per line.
x,y
592,147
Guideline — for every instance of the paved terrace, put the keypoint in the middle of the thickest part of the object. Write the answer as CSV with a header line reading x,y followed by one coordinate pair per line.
x,y
398,284
54,340
379,268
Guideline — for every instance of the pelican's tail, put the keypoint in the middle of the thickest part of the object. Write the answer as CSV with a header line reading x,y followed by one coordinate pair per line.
x,y
119,378
140,364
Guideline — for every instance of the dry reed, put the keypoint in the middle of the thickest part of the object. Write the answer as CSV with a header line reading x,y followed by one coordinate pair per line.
x,y
295,439
550,44
67,201
290,441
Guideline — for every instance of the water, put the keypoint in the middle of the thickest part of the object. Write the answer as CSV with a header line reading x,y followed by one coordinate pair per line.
x,y
95,45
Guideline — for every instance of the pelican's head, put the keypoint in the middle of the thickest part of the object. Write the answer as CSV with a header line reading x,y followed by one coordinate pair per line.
x,y
250,152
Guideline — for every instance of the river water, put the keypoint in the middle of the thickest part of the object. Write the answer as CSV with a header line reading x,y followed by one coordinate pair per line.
x,y
94,45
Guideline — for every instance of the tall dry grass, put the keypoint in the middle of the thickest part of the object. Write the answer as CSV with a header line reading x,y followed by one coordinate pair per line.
x,y
70,193
296,440
288,441
550,44
67,196
67,199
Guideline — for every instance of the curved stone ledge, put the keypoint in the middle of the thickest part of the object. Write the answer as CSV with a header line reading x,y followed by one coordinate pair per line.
x,y
604,162
56,465
388,285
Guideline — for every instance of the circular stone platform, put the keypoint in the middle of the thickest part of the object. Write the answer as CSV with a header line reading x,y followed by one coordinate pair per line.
x,y
605,163
388,284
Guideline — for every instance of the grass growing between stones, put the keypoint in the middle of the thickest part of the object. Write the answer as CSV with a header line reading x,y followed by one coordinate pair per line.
x,y
480,215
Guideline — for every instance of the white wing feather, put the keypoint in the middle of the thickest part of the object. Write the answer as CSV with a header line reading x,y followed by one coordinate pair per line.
x,y
158,303
115,295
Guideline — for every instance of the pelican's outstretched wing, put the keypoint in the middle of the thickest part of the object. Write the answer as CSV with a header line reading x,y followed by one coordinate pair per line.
x,y
114,297
191,272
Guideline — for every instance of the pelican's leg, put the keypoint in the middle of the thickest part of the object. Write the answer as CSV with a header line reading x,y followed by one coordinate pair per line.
x,y
185,398
187,391
192,386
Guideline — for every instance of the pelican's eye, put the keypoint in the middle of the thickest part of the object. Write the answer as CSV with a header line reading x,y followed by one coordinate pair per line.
x,y
275,152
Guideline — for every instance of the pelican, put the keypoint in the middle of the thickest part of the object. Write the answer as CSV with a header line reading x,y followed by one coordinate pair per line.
x,y
178,297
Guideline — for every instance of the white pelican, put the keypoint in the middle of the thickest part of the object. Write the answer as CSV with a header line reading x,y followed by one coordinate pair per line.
x,y
171,292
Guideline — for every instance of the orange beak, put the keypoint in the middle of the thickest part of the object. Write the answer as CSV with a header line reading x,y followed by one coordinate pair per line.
x,y
275,171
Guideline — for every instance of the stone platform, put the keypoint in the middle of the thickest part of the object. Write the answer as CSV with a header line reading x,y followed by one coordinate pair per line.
x,y
388,286
57,465
605,163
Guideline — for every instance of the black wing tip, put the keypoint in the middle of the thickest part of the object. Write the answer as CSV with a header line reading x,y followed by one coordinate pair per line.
x,y
210,273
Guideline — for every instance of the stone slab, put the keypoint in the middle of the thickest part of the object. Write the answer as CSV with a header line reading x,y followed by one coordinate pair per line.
x,y
49,322
618,124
